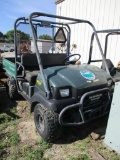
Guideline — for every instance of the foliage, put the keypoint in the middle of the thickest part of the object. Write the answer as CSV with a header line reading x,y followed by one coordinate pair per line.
x,y
23,36
1,35
45,36
2,41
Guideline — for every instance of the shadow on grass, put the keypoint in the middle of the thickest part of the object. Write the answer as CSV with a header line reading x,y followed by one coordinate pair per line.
x,y
5,103
73,134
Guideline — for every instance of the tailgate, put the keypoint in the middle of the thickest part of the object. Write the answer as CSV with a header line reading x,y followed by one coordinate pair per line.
x,y
9,67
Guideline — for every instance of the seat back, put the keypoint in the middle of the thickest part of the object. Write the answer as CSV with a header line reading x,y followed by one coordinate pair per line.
x,y
49,60
110,67
29,61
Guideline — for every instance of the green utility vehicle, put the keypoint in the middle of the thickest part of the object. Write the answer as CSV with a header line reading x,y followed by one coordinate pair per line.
x,y
60,92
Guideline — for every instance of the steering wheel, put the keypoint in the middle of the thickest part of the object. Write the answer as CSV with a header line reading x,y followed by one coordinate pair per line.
x,y
67,61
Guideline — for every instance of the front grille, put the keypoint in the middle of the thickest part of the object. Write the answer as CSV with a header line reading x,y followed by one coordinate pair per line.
x,y
95,101
91,105
95,105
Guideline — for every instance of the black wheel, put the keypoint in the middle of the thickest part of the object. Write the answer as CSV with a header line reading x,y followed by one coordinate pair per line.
x,y
11,90
47,124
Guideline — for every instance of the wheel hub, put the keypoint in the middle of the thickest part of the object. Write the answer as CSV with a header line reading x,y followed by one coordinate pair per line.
x,y
40,121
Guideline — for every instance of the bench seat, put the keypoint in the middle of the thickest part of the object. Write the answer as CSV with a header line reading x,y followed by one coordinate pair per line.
x,y
31,76
31,68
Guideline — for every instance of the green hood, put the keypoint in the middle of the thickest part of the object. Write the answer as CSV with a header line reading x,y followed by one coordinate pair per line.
x,y
62,76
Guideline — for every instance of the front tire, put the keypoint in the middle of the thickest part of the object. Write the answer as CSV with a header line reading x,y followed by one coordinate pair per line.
x,y
47,124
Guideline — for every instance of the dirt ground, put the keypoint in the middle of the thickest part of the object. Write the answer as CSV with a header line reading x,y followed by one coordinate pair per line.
x,y
86,139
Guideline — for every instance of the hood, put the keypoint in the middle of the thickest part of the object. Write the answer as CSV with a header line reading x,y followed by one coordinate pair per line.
x,y
81,76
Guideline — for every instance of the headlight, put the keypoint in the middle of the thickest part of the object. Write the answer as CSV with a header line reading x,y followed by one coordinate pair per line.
x,y
109,82
64,92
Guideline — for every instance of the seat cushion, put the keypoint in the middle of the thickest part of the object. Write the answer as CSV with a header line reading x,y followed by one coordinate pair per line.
x,y
31,76
110,67
116,77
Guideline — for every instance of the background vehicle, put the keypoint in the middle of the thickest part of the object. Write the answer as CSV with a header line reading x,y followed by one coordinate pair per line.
x,y
11,48
7,48
114,72
1,49
60,93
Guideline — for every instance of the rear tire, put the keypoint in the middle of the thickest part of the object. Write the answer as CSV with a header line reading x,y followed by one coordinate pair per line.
x,y
11,90
47,124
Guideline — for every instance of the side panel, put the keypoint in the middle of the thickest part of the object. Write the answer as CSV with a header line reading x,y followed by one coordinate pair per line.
x,y
39,83
9,67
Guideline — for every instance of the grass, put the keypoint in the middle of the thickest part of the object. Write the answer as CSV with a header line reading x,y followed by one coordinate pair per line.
x,y
8,133
75,149
31,152
107,153
79,150
80,157
85,144
10,146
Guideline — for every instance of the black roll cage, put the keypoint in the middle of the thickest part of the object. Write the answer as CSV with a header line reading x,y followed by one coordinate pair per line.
x,y
33,21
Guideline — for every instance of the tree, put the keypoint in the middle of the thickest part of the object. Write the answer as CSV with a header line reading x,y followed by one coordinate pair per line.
x,y
1,35
45,36
23,36
10,35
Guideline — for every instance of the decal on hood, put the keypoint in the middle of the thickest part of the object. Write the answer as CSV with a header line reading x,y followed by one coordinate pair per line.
x,y
87,74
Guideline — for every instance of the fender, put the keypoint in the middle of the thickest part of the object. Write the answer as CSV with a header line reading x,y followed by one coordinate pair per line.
x,y
54,105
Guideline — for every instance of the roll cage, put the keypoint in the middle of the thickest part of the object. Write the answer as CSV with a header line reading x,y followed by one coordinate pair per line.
x,y
108,33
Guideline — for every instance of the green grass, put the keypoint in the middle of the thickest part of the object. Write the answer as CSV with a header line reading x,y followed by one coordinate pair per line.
x,y
8,133
80,157
107,153
85,144
31,152
82,147
13,138
10,146
27,153
9,141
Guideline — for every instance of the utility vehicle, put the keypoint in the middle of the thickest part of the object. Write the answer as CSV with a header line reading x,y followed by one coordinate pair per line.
x,y
114,72
60,92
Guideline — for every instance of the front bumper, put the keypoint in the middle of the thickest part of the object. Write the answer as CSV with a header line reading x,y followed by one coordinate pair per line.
x,y
91,112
